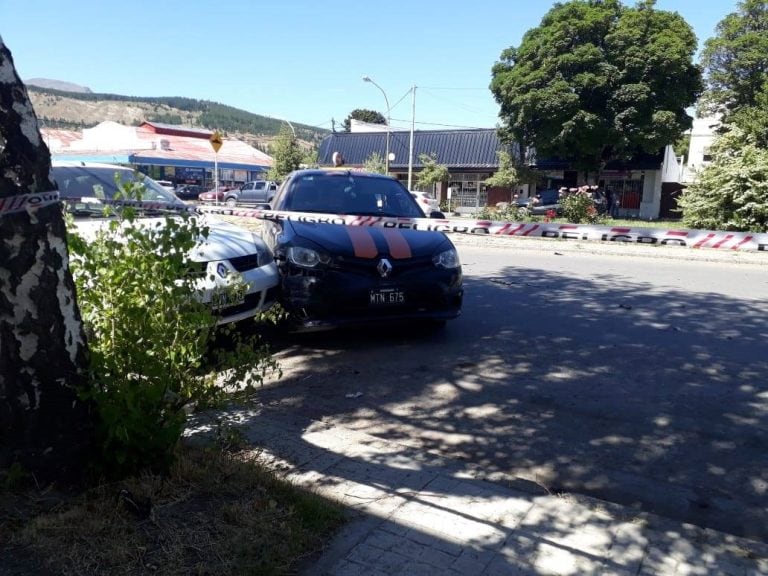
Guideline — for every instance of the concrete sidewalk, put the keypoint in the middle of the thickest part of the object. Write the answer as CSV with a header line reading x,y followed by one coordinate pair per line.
x,y
418,514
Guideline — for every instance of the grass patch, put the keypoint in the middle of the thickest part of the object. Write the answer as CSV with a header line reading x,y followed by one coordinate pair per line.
x,y
216,513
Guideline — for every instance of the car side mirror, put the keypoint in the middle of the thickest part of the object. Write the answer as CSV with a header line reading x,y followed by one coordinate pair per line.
x,y
437,214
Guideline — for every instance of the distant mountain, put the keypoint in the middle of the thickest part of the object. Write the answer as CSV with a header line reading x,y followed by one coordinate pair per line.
x,y
58,85
74,110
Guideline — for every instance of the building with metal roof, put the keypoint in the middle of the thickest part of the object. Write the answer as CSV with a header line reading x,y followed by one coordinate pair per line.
x,y
471,157
176,153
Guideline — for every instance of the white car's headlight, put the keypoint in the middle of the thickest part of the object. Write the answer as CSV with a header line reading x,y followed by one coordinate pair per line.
x,y
306,257
448,259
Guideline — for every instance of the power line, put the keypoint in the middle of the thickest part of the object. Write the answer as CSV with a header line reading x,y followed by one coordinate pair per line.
x,y
444,125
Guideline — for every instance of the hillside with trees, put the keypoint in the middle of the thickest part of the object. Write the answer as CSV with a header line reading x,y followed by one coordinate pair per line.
x,y
77,110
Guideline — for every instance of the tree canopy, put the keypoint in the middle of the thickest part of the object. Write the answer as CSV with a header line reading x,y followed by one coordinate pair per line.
x,y
431,173
287,155
596,81
735,60
363,115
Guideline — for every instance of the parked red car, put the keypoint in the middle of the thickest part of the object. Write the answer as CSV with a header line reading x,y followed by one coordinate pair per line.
x,y
213,195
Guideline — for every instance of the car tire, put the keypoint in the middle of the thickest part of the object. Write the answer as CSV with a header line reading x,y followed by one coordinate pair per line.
x,y
231,202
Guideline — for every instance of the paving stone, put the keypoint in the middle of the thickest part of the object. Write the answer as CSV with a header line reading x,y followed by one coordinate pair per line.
x,y
627,548
473,561
365,554
427,553
385,540
439,541
423,519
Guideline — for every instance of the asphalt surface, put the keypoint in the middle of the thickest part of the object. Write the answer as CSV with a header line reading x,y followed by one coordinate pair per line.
x,y
568,373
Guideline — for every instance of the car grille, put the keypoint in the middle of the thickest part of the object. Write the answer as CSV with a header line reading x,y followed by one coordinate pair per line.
x,y
367,266
243,263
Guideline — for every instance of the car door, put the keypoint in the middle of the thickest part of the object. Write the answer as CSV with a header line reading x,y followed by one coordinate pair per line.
x,y
246,193
254,192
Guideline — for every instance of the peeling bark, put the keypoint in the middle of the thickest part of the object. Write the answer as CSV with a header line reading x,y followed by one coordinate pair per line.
x,y
43,425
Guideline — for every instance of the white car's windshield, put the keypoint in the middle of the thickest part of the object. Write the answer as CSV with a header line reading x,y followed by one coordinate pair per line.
x,y
89,184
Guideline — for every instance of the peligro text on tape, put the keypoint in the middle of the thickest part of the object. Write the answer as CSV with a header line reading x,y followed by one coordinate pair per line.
x,y
741,241
24,202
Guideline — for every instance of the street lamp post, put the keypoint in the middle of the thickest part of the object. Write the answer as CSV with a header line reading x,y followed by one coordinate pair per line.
x,y
386,101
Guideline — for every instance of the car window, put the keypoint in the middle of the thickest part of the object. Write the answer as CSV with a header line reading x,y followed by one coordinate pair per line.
x,y
99,182
349,194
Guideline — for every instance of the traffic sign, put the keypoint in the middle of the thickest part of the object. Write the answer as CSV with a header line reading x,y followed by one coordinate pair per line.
x,y
216,141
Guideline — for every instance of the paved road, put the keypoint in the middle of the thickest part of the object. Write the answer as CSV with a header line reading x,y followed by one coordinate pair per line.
x,y
611,371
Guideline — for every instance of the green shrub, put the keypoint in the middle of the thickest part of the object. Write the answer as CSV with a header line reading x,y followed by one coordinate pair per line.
x,y
150,338
506,213
579,208
731,193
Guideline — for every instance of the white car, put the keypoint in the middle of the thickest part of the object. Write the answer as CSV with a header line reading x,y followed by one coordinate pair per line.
x,y
228,253
426,202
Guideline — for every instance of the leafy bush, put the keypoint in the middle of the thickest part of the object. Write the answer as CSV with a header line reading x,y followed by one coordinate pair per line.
x,y
579,207
731,193
504,212
149,337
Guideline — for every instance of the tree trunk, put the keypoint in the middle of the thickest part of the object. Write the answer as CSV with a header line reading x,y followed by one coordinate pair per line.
x,y
44,428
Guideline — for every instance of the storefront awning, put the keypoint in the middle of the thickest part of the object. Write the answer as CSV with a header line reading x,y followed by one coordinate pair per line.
x,y
138,159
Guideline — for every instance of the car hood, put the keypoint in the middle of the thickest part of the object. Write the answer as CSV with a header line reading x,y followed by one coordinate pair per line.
x,y
224,241
371,242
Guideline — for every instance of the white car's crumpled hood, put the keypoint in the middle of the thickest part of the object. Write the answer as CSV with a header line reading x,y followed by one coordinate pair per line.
x,y
226,241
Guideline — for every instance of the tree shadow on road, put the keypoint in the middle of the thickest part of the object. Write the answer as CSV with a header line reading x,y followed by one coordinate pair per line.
x,y
601,387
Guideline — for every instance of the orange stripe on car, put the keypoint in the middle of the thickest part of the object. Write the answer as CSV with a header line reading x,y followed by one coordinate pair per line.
x,y
398,245
362,242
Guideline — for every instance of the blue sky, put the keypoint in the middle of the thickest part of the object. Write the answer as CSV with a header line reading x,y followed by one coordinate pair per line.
x,y
297,59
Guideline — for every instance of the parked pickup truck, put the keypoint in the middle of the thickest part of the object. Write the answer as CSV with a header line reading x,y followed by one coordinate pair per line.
x,y
254,192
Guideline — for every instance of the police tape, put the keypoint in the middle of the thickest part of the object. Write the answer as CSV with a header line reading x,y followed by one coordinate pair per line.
x,y
26,202
737,241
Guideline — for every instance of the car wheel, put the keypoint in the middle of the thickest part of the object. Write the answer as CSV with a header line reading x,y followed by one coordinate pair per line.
x,y
231,202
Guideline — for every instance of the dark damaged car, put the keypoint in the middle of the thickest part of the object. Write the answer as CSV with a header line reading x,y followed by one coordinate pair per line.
x,y
336,275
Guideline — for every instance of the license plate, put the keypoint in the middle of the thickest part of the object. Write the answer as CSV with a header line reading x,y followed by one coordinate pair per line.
x,y
386,297
231,296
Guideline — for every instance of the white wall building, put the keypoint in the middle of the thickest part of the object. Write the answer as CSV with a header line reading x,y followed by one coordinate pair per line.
x,y
702,134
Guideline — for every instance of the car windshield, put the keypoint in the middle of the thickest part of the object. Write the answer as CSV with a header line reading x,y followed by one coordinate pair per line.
x,y
350,194
91,184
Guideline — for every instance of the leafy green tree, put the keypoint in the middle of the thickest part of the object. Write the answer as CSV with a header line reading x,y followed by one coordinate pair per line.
x,y
363,115
592,82
731,193
431,173
310,159
735,60
287,155
375,163
753,120
507,174
683,146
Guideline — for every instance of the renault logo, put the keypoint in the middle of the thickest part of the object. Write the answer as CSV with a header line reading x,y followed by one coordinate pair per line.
x,y
384,267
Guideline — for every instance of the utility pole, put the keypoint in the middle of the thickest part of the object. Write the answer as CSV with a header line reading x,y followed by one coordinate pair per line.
x,y
410,144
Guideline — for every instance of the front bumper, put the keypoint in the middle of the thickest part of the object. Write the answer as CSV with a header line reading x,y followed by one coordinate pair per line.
x,y
261,286
324,299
